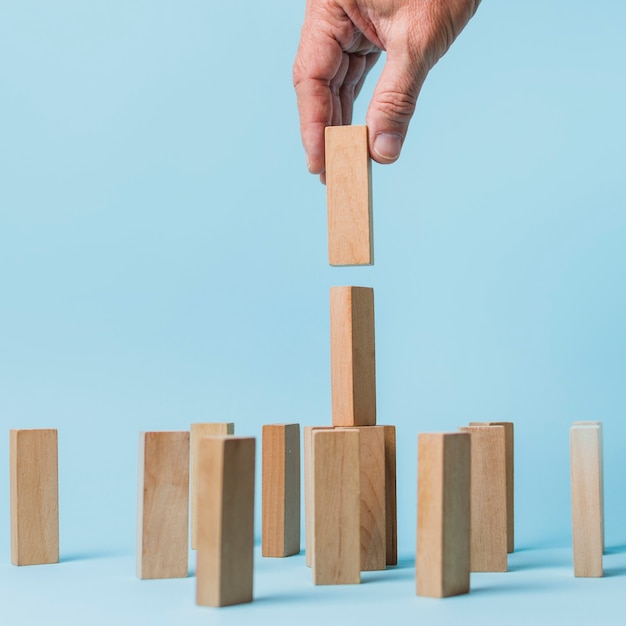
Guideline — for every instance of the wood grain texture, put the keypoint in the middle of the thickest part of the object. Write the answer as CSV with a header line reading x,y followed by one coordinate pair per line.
x,y
586,483
197,431
353,356
349,196
224,571
443,515
337,516
34,496
281,490
163,505
489,540
391,506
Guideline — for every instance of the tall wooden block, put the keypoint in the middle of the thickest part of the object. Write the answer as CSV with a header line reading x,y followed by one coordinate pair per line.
x,y
391,507
443,515
281,490
352,354
197,431
349,196
489,522
585,462
224,571
34,495
336,508
163,505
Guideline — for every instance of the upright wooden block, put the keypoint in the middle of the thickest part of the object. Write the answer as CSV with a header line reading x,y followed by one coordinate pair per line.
x,y
585,462
163,505
349,196
489,522
336,509
197,431
281,490
224,572
34,495
391,507
353,358
443,515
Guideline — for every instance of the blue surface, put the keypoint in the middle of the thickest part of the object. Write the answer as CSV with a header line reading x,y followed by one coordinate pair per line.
x,y
163,261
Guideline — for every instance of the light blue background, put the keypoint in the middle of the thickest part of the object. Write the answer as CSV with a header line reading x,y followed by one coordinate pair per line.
x,y
163,261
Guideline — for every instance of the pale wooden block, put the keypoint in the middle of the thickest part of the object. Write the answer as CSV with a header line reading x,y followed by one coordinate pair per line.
x,y
281,490
197,431
224,571
336,509
353,358
585,463
34,496
489,521
443,515
391,507
349,196
163,505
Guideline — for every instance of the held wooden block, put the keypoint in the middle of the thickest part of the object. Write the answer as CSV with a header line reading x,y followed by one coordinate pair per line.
x,y
391,507
349,196
352,355
224,572
443,515
34,495
489,523
197,431
336,509
281,490
585,461
163,505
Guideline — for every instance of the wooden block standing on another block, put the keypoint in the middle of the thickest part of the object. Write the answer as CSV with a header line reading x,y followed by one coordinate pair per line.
x,y
443,515
34,488
352,355
586,477
163,505
224,572
349,196
391,513
281,490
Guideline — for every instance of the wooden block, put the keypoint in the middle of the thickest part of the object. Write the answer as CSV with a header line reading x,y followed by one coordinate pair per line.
x,y
281,490
34,495
163,505
585,462
489,541
443,515
349,196
224,572
197,431
336,509
391,507
352,354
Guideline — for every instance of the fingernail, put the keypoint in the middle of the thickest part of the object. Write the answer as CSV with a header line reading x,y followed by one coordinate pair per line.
x,y
388,145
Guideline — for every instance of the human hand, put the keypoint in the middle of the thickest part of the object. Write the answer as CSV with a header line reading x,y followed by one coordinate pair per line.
x,y
341,41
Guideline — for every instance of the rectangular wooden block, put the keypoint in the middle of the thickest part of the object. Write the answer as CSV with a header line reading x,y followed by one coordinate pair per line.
x,y
489,522
163,505
197,431
281,490
352,355
391,507
443,515
224,571
349,196
336,509
585,462
34,496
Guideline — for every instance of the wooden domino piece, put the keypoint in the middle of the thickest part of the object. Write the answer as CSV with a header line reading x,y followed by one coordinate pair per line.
x,y
586,483
281,490
349,196
197,431
163,505
489,522
352,354
391,507
224,571
443,515
34,496
336,508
